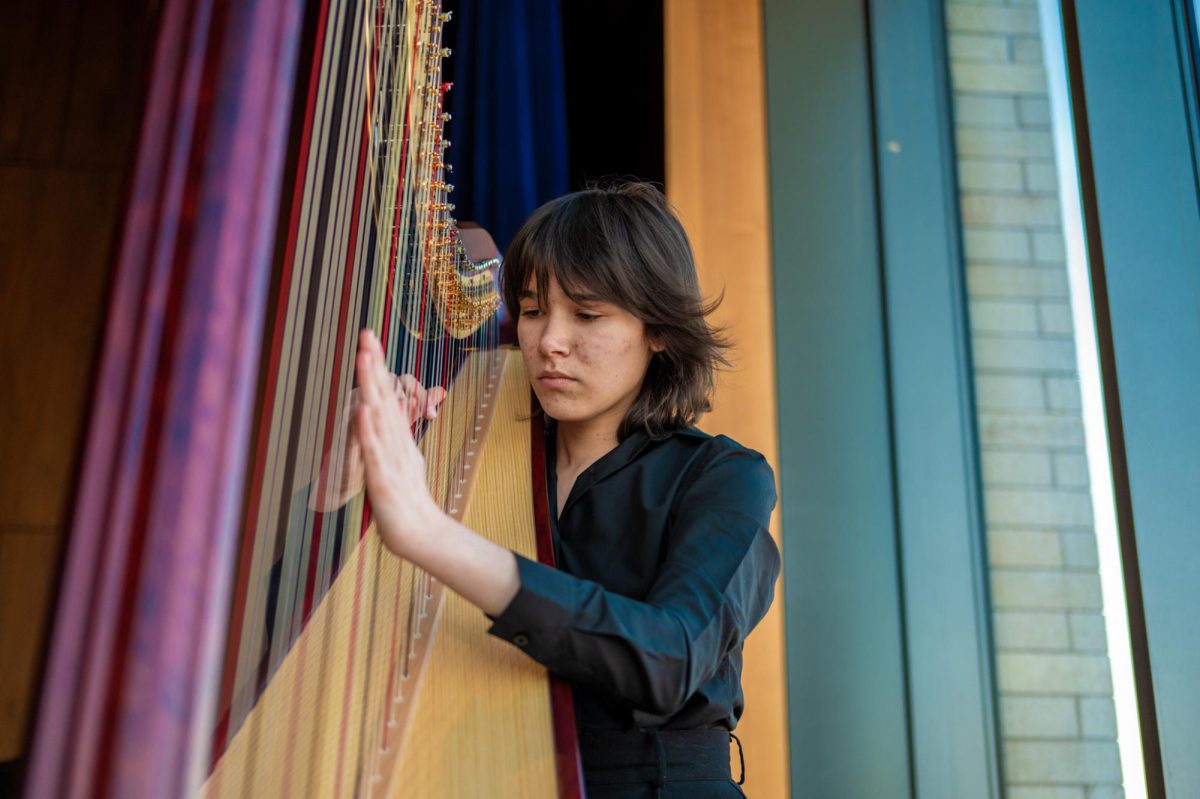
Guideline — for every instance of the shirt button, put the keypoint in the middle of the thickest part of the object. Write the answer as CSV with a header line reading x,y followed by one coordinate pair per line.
x,y
521,639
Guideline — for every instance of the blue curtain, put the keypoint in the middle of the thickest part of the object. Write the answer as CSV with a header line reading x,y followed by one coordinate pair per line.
x,y
508,117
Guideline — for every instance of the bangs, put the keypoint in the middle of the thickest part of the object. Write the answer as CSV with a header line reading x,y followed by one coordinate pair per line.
x,y
583,246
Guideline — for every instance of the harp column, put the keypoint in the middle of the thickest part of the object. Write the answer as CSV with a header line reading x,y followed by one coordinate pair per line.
x,y
716,168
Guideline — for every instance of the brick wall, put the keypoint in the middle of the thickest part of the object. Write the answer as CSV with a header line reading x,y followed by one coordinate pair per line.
x,y
1057,715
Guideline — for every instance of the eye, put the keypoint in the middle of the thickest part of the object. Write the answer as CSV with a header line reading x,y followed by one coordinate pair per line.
x,y
531,311
587,317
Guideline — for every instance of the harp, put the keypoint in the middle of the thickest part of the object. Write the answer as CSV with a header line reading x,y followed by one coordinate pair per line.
x,y
223,628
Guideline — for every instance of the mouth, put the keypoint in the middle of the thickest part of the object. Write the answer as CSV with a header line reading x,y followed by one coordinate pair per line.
x,y
553,379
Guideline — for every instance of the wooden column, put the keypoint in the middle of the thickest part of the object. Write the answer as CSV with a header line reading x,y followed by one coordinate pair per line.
x,y
717,181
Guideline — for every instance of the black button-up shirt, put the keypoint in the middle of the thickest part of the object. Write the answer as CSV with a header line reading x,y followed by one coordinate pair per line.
x,y
666,565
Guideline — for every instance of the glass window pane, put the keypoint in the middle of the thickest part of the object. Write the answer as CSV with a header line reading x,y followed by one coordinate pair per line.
x,y
1068,714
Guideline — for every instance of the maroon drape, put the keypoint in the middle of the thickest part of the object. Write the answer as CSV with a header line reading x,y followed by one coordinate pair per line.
x,y
134,648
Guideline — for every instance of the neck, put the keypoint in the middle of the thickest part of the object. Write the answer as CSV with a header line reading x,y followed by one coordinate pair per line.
x,y
579,444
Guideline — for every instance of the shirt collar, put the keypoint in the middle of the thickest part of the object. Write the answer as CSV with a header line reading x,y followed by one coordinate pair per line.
x,y
610,462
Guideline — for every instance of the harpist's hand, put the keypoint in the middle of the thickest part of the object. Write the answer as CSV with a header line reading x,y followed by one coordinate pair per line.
x,y
394,467
341,471
409,521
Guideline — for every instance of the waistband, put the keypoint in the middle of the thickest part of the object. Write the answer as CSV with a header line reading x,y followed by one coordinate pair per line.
x,y
655,756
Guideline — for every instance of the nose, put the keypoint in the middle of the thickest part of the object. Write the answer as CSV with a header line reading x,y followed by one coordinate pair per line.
x,y
555,337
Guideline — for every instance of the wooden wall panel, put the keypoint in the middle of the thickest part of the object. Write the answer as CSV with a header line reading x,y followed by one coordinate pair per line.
x,y
71,84
28,556
54,245
717,181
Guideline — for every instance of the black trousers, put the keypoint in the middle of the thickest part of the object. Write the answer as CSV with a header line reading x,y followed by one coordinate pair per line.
x,y
654,764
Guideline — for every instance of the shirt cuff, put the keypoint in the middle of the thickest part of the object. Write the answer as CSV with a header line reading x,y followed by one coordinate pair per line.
x,y
540,613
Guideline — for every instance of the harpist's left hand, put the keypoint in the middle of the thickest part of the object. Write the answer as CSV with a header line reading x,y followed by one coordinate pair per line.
x,y
409,521
340,475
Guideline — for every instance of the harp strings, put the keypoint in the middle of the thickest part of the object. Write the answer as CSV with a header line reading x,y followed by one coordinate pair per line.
x,y
371,243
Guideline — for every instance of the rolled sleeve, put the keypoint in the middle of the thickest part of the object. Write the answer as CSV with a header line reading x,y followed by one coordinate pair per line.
x,y
541,613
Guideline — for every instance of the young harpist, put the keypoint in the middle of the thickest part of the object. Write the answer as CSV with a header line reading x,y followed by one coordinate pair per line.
x,y
661,530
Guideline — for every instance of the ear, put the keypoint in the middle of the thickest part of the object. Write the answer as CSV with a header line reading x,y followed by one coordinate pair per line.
x,y
656,344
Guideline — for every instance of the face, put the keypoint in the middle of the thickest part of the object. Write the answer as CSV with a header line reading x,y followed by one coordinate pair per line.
x,y
585,359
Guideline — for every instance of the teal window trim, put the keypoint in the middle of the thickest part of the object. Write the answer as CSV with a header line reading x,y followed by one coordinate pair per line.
x,y
848,720
942,535
1132,75
890,679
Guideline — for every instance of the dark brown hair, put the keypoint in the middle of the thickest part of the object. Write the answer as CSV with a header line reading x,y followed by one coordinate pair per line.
x,y
623,244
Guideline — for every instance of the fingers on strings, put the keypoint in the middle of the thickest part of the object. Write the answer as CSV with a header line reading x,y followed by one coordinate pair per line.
x,y
420,400
415,399
379,413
